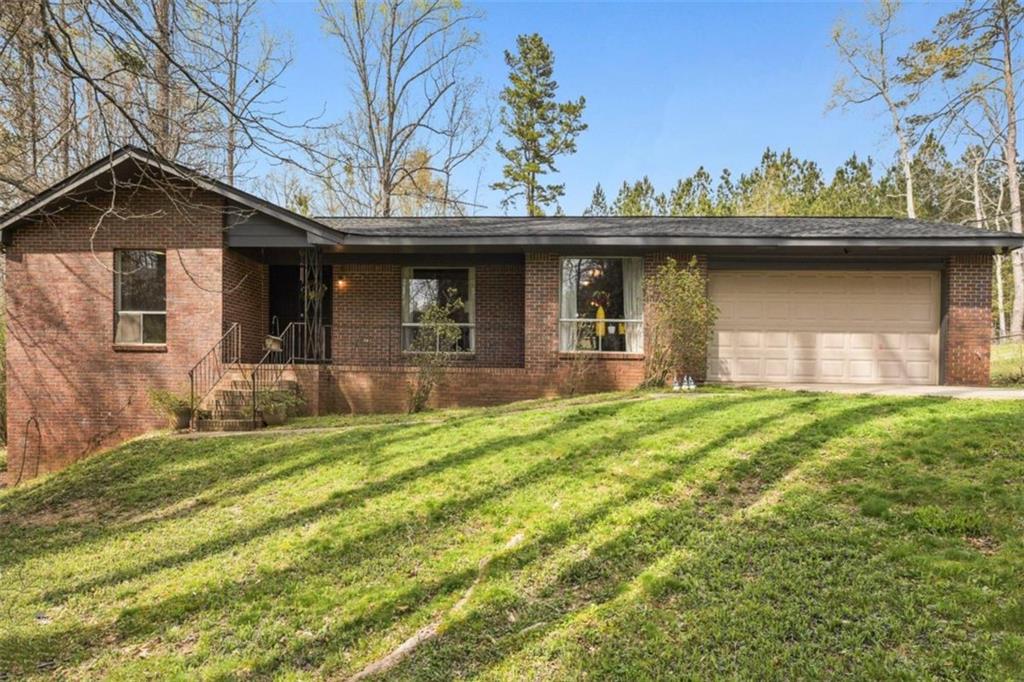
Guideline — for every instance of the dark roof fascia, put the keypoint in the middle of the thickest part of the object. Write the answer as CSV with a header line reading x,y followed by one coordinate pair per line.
x,y
323,233
1000,241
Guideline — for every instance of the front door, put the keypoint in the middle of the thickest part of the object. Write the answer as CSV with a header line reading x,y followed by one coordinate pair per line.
x,y
285,293
285,297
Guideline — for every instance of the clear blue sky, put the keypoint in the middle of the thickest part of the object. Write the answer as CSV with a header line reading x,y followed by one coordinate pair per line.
x,y
669,86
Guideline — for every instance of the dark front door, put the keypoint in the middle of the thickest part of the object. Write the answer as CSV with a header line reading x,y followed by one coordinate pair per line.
x,y
286,299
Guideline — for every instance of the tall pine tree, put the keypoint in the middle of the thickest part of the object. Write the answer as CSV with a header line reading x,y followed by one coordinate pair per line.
x,y
539,128
598,203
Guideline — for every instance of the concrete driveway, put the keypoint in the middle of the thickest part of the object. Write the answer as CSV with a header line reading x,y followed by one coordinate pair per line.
x,y
972,392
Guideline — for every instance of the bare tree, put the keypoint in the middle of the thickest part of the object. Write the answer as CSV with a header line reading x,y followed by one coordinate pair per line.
x,y
972,50
414,120
245,62
870,79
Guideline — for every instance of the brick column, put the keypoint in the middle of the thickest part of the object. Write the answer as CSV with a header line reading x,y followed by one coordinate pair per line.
x,y
542,281
968,316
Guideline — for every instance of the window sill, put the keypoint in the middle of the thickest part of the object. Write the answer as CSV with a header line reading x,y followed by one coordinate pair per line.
x,y
599,355
140,347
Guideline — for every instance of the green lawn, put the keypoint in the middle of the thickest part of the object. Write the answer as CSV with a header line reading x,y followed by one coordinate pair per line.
x,y
750,534
1007,364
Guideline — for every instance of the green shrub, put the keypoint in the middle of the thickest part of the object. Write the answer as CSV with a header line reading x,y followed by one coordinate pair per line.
x,y
433,347
176,407
680,323
280,401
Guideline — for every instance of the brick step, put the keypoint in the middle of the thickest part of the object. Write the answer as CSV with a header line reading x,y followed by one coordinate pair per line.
x,y
228,396
244,385
225,424
232,412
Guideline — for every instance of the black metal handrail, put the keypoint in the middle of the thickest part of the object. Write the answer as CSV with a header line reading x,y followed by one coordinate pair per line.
x,y
206,373
296,344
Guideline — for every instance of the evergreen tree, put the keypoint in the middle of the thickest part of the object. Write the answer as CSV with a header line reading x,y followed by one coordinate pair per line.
x,y
781,185
638,199
540,128
692,196
853,192
598,203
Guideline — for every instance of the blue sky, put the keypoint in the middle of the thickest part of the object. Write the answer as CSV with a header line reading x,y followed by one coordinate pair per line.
x,y
669,86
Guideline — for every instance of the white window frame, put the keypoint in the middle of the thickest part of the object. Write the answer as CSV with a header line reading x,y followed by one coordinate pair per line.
x,y
470,306
120,314
575,322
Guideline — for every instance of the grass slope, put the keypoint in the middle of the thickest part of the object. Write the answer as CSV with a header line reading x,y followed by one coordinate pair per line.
x,y
1007,364
750,534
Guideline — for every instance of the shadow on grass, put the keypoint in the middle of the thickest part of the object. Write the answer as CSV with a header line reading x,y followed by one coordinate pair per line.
x,y
136,622
115,494
486,637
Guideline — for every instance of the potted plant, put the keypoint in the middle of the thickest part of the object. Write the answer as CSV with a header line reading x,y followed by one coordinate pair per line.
x,y
277,405
176,408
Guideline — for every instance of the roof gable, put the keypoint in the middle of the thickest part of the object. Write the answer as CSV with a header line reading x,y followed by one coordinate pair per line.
x,y
115,163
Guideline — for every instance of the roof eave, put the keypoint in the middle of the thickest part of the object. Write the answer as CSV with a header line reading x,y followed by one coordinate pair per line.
x,y
993,242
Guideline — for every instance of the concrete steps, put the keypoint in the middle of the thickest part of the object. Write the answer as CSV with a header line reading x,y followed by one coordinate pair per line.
x,y
229,404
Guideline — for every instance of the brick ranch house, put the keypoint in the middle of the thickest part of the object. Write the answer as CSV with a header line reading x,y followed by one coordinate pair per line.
x,y
117,284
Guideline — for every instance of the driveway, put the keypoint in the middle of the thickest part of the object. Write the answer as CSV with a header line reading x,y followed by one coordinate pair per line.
x,y
972,392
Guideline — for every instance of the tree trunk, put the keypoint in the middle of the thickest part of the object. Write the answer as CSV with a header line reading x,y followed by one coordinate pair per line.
x,y
232,99
981,221
1000,297
908,176
162,71
1012,173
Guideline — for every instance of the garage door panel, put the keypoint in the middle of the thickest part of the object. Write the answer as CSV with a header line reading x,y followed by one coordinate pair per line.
x,y
831,341
776,369
802,341
861,341
776,310
825,326
775,340
861,370
921,342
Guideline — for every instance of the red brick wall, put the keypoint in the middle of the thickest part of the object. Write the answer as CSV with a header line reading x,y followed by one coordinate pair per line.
x,y
355,384
968,319
62,366
367,315
246,301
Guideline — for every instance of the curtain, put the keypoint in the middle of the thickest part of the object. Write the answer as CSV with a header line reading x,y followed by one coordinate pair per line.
x,y
567,309
633,302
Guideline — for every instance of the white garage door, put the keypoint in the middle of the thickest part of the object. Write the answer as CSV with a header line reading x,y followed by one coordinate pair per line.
x,y
825,327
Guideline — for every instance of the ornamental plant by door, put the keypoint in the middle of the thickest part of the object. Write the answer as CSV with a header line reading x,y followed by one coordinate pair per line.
x,y
681,320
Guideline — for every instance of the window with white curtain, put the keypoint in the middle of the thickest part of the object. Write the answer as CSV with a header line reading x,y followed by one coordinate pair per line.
x,y
140,297
602,305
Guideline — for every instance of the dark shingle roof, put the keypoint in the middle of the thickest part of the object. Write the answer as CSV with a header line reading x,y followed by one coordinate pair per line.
x,y
645,227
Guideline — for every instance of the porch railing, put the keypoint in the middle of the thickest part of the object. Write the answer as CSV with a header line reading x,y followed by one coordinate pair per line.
x,y
206,373
297,344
